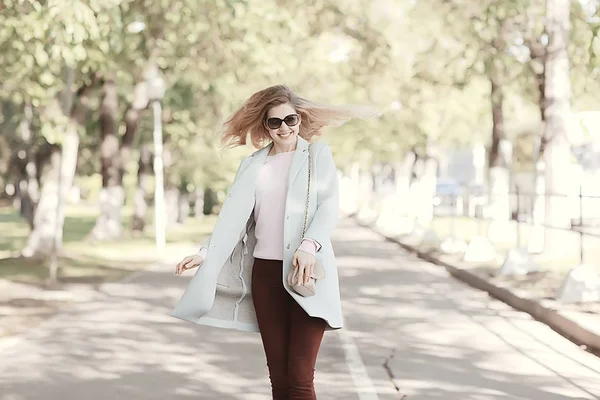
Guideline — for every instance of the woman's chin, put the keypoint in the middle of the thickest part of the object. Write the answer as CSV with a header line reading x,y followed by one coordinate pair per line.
x,y
285,139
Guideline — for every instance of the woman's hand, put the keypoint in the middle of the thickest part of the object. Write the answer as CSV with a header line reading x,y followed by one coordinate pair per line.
x,y
303,264
188,262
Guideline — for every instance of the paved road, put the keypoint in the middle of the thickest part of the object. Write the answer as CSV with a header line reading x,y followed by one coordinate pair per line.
x,y
435,337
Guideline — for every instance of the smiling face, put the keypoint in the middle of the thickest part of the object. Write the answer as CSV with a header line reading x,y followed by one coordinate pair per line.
x,y
277,121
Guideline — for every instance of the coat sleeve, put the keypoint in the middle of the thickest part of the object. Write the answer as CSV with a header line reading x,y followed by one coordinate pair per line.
x,y
326,216
203,251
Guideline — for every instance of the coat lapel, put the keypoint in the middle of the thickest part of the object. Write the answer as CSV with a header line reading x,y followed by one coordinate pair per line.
x,y
300,157
257,159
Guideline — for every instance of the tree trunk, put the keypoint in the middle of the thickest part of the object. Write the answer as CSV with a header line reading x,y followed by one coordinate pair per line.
x,y
355,179
198,199
416,175
539,58
210,200
114,157
366,190
499,158
109,225
22,168
171,205
172,183
132,117
428,183
140,203
402,177
539,54
29,190
41,239
50,213
556,154
375,188
183,211
47,234
422,189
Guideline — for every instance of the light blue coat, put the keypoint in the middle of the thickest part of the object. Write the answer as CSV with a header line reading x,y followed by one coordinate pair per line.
x,y
219,293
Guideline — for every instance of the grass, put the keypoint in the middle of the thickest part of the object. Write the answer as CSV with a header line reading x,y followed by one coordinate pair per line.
x,y
92,262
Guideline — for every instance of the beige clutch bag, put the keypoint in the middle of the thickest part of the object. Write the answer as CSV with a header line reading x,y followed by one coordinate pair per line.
x,y
309,289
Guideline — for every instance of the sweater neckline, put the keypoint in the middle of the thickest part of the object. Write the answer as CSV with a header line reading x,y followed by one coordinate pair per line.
x,y
279,154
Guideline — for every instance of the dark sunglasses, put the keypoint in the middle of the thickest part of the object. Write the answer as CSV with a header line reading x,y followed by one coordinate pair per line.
x,y
290,120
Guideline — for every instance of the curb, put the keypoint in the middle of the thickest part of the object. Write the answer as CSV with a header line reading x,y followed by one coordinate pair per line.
x,y
580,336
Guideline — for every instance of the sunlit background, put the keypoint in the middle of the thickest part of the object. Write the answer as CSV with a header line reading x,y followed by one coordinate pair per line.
x,y
487,157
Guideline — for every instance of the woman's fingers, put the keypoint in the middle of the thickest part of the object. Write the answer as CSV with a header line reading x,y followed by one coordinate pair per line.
x,y
308,271
299,275
182,266
304,273
189,263
303,267
297,269
178,267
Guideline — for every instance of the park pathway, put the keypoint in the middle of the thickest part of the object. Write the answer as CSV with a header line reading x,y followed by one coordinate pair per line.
x,y
411,332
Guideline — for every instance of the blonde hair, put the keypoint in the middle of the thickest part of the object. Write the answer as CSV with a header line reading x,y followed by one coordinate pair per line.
x,y
250,118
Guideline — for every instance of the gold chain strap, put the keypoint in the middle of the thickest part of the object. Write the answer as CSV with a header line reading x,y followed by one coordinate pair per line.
x,y
307,191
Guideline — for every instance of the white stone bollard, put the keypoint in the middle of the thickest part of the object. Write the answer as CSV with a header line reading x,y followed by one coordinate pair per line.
x,y
479,250
518,261
430,239
415,236
453,245
581,285
366,216
404,226
387,217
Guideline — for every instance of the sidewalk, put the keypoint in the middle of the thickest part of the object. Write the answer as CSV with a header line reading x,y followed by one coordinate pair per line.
x,y
438,339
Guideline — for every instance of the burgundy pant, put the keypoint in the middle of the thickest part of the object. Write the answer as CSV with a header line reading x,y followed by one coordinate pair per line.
x,y
291,338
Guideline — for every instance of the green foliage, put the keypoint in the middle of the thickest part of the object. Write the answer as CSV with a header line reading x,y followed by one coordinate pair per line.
x,y
426,63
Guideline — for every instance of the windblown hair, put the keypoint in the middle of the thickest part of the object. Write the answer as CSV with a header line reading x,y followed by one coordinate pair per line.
x,y
251,117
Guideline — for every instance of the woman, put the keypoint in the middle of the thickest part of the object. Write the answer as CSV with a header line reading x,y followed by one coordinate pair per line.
x,y
257,253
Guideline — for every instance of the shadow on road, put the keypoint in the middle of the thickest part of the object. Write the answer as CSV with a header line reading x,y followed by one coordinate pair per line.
x,y
442,340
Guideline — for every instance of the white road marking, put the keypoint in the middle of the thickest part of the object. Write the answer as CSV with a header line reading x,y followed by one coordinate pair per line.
x,y
362,383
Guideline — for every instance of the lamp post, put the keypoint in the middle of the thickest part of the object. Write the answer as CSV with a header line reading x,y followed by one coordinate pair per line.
x,y
156,91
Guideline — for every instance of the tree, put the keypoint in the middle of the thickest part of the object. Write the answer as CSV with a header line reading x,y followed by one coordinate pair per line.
x,y
46,236
112,195
557,92
42,76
